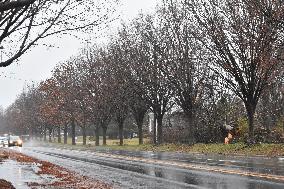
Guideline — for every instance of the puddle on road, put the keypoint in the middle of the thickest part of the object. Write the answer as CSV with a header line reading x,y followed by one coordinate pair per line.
x,y
18,174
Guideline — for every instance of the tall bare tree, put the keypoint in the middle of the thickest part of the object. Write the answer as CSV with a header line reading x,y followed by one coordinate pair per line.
x,y
246,44
149,68
186,65
120,74
96,82
66,79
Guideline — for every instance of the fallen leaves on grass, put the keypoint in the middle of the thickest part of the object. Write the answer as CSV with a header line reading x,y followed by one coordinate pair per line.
x,y
6,185
3,156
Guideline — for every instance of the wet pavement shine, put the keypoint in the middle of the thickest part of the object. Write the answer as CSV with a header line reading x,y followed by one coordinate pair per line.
x,y
18,174
126,169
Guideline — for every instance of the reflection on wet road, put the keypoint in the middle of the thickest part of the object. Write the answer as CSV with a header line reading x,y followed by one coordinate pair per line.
x,y
164,170
18,174
273,166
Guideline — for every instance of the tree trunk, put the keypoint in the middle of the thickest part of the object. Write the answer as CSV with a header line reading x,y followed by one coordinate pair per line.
x,y
97,135
32,134
73,131
44,134
160,129
35,134
120,131
251,125
139,115
104,135
65,133
154,130
190,130
53,134
84,135
50,135
250,114
140,132
38,135
58,135
139,121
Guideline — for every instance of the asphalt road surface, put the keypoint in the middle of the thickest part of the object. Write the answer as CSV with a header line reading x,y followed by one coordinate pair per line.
x,y
167,170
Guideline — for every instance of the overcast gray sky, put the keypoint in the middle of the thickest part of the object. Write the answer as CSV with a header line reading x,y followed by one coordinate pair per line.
x,y
37,64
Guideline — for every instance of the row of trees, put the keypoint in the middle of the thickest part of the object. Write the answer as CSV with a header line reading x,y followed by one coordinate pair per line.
x,y
210,60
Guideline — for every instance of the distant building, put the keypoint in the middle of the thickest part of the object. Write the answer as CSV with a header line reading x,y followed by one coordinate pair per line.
x,y
173,119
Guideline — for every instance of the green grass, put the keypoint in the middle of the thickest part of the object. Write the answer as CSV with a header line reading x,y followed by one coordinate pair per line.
x,y
230,149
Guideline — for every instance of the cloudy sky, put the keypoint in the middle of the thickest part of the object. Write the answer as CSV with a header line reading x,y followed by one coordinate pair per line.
x,y
37,64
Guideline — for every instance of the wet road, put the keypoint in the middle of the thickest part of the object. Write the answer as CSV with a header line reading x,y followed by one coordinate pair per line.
x,y
17,174
167,170
264,165
20,174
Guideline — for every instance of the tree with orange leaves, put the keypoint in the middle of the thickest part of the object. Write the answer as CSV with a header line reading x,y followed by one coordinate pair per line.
x,y
51,106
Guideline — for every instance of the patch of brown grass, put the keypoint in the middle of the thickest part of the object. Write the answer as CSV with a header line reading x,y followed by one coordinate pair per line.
x,y
6,185
3,156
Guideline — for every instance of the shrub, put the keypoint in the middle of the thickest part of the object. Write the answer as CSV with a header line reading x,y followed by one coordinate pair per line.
x,y
242,129
280,126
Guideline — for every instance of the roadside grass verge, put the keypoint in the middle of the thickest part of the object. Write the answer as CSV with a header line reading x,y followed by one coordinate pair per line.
x,y
110,142
269,150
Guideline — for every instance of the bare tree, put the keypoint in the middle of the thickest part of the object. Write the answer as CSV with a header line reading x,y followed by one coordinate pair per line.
x,y
66,79
98,89
120,74
270,110
81,95
186,65
50,106
245,43
24,22
132,55
149,69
